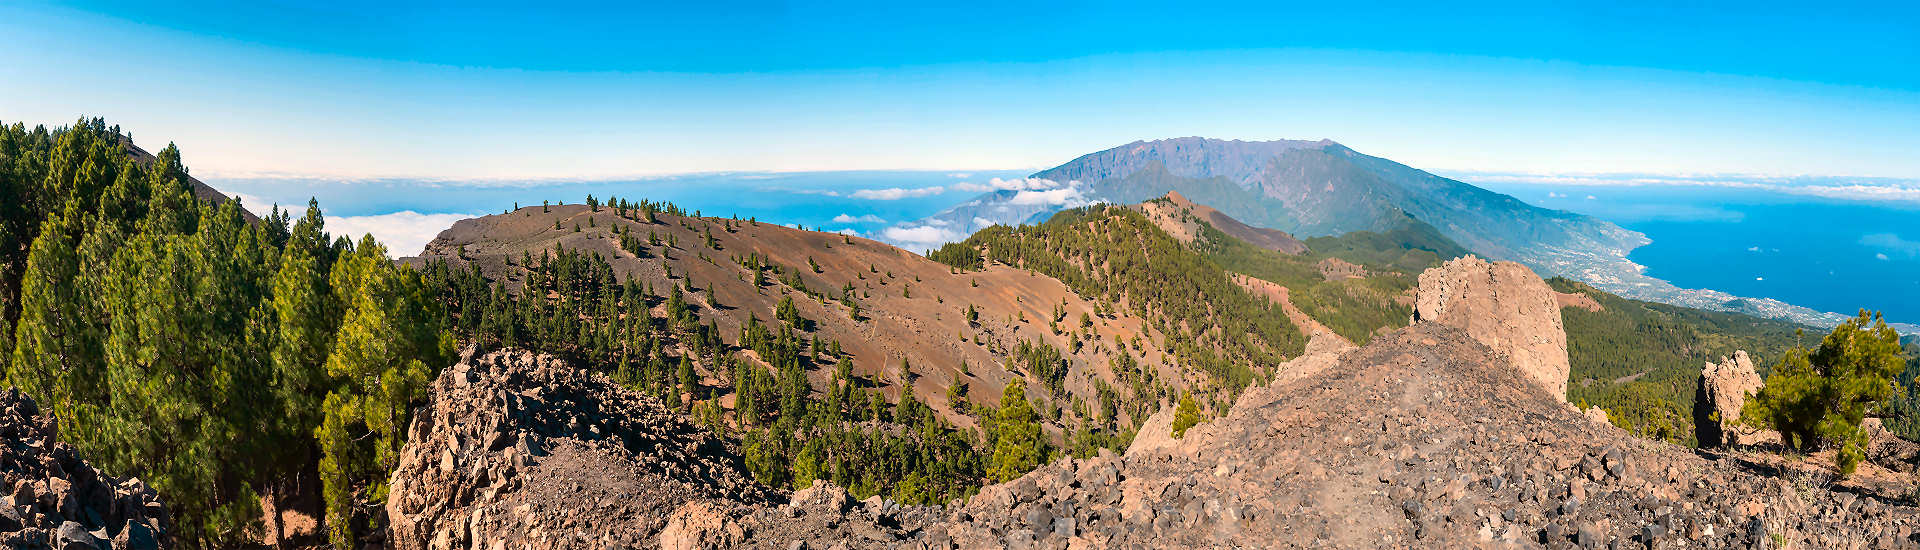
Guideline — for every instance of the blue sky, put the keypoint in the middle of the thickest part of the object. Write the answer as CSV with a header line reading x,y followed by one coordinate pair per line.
x,y
367,90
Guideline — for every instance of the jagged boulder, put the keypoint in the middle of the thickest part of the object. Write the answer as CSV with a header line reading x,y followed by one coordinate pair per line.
x,y
1724,388
1505,306
526,450
50,498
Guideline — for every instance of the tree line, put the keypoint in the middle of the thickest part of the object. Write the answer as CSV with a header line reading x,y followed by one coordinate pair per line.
x,y
215,357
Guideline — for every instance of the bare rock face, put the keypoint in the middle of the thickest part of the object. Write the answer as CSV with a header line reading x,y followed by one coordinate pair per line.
x,y
50,498
1597,415
1505,306
1883,447
526,451
1414,441
1724,389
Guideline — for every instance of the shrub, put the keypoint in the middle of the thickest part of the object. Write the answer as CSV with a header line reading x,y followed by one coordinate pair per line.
x,y
1817,398
1185,416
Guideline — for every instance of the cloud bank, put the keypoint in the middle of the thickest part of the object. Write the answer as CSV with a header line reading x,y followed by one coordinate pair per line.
x,y
896,193
405,233
865,218
1840,188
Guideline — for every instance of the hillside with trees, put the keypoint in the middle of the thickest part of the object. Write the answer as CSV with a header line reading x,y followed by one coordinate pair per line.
x,y
1641,361
218,358
829,356
1369,296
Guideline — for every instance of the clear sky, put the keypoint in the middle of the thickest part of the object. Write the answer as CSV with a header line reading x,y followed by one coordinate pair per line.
x,y
365,89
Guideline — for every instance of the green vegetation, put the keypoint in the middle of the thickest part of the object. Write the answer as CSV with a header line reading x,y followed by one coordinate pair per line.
x,y
1119,257
1018,446
573,305
1185,415
1410,247
1641,361
1903,411
959,255
1817,398
1354,308
213,356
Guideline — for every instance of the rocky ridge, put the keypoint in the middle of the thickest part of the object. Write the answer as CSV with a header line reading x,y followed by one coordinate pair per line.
x,y
1181,218
54,499
518,450
1425,438
1505,306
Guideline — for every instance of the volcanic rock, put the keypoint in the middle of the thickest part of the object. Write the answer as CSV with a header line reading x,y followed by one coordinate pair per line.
x,y
1724,389
53,499
1505,306
530,451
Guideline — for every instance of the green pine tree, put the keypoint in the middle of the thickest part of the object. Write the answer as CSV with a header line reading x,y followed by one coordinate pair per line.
x,y
1020,445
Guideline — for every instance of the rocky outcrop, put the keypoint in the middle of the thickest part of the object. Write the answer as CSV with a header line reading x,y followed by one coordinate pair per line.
x,y
1597,415
1724,388
1335,269
53,499
1505,306
524,450
1414,442
1889,450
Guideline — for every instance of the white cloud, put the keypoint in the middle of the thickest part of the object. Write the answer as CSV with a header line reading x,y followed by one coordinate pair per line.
x,y
1753,249
920,238
896,193
981,222
405,233
1048,197
1016,184
1591,197
864,218
1066,197
1892,245
1882,257
1556,195
959,175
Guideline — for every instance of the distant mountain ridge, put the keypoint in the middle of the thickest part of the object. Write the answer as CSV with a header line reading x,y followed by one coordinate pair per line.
x,y
1317,188
1322,188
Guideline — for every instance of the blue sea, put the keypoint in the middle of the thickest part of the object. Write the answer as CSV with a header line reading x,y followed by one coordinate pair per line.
x,y
1769,240
406,213
1766,239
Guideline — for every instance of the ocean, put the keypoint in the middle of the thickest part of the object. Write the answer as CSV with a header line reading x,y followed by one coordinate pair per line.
x,y
1762,240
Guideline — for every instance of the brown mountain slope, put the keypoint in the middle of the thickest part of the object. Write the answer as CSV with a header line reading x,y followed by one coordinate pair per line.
x,y
201,190
1179,216
1425,438
911,308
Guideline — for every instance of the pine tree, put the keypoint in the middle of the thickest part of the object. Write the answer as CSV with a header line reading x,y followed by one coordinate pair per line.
x,y
307,315
387,348
1020,446
688,382
1185,415
1816,398
52,355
